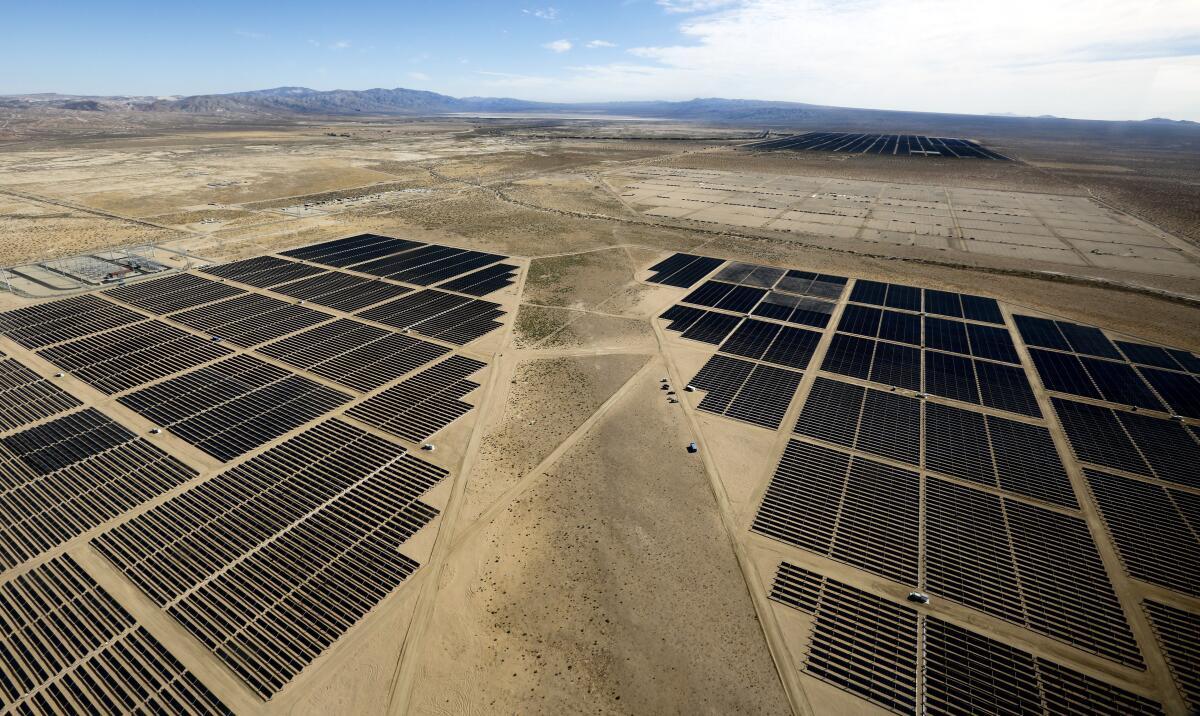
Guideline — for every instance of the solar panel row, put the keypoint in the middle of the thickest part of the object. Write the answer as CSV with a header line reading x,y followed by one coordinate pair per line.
x,y
1134,442
133,355
342,291
351,250
26,397
45,324
66,646
354,354
801,310
773,343
263,271
683,270
868,646
234,405
1178,633
173,293
885,144
423,404
483,281
752,392
250,320
65,477
941,303
427,264
437,314
801,283
1004,557
942,334
1156,529
272,561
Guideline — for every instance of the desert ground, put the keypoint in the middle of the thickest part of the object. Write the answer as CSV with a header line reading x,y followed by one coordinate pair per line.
x,y
583,560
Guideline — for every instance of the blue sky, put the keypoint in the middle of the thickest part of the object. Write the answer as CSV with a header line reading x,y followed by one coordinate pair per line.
x,y
1105,59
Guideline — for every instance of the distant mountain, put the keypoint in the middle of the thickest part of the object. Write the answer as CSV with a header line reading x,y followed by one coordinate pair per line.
x,y
787,116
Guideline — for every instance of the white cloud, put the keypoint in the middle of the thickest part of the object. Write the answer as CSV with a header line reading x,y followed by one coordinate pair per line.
x,y
1109,59
545,13
593,44
508,80
339,45
418,76
558,46
249,35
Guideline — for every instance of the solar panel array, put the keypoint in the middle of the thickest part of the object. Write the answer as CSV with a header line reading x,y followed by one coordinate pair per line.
x,y
354,354
752,392
26,397
915,145
423,404
868,646
234,405
683,270
270,562
1178,633
66,646
1081,360
67,476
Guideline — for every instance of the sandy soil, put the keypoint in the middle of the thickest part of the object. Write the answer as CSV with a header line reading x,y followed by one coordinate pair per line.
x,y
596,588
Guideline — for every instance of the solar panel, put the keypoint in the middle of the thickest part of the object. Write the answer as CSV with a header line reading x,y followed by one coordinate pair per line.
x,y
1170,448
484,281
962,668
967,555
751,339
1040,332
979,308
1178,635
831,411
1120,383
943,303
849,355
1178,390
1088,340
721,377
765,396
944,335
351,250
712,327
865,645
1096,436
897,365
992,342
891,426
250,320
233,405
800,310
681,317
173,293
796,587
263,271
907,298
67,476
793,347
437,314
950,376
354,354
861,320
1153,356
1027,462
851,509
301,542
26,397
45,324
132,356
900,327
872,292
427,264
1005,387
58,657
342,291
956,444
420,406
1063,372
1150,529
683,270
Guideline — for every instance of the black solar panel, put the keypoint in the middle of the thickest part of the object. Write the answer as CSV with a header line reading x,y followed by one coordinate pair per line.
x,y
26,397
793,347
484,281
1040,332
133,355
173,293
1027,462
1063,372
992,342
342,291
683,270
1178,635
1150,527
907,298
945,335
801,310
956,444
45,324
849,355
872,292
1170,448
1006,387
712,327
1179,390
900,327
950,376
710,293
354,354
1088,340
351,250
270,562
420,406
765,396
263,271
681,317
1148,355
250,320
861,320
751,339
796,587
978,308
943,303
1120,383
1096,436
64,477
78,637
437,314
234,405
721,377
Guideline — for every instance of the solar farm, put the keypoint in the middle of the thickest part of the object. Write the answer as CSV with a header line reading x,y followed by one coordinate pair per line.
x,y
217,478
907,145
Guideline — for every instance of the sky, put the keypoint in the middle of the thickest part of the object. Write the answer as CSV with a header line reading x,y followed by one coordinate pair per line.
x,y
1094,59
